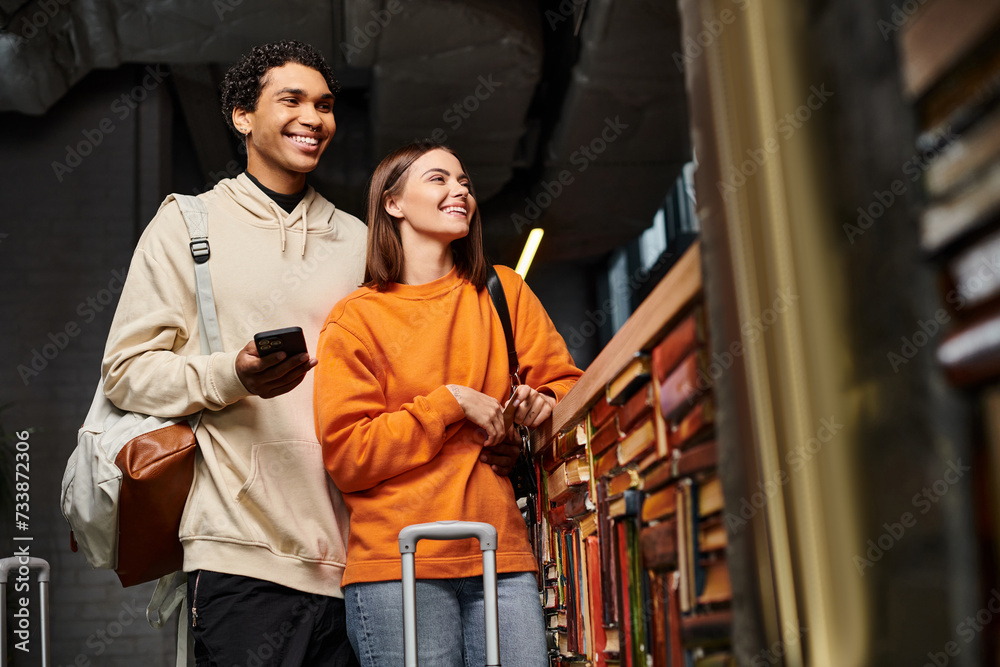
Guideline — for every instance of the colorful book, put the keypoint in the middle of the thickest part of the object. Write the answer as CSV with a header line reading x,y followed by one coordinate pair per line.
x,y
683,339
570,473
658,642
710,498
606,462
932,42
707,628
636,408
572,442
659,504
658,545
974,272
602,412
685,430
639,441
630,379
950,219
606,535
596,606
626,479
717,587
965,157
685,385
970,354
700,457
629,504
626,653
605,437
712,534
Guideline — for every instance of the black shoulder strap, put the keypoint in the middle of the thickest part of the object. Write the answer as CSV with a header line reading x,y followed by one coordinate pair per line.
x,y
500,303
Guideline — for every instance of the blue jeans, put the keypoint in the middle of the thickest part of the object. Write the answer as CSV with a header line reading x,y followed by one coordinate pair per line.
x,y
450,623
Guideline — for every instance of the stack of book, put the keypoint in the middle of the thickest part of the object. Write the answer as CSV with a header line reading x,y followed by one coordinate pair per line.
x,y
635,543
950,56
632,541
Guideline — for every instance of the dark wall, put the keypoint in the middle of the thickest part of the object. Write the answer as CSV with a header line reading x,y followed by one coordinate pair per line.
x,y
66,237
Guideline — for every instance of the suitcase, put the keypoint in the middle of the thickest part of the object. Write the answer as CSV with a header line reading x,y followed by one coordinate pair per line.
x,y
449,530
22,566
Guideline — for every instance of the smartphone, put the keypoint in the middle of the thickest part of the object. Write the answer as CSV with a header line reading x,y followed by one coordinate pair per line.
x,y
290,340
508,414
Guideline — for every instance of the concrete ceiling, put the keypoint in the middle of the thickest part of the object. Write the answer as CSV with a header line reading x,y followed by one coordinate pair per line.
x,y
570,114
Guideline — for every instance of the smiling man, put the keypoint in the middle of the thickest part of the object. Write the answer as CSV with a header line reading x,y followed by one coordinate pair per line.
x,y
264,530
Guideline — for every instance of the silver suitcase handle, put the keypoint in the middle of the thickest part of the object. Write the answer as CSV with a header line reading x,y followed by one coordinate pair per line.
x,y
450,530
17,564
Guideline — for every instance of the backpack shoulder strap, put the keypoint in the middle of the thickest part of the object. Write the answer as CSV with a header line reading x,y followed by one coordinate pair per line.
x,y
495,288
196,218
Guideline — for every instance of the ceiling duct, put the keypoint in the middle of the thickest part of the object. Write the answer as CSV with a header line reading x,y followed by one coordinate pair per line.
x,y
622,137
470,84
49,45
614,129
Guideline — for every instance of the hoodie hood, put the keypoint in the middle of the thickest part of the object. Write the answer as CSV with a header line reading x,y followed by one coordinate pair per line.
x,y
313,215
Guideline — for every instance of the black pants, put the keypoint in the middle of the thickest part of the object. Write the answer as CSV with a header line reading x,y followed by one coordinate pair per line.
x,y
243,622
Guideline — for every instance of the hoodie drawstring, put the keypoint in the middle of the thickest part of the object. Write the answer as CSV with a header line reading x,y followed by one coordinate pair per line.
x,y
280,214
305,231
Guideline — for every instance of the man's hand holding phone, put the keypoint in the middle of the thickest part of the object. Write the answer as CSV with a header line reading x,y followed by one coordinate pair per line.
x,y
275,362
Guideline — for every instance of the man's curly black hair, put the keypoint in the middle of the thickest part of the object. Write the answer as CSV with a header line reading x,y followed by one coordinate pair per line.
x,y
243,82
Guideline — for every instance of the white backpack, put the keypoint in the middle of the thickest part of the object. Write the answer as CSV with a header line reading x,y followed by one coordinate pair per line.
x,y
94,498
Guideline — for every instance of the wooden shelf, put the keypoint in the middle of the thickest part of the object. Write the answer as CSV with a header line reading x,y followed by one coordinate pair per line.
x,y
646,325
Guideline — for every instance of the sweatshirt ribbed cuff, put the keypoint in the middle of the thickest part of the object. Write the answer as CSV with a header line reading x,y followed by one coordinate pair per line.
x,y
558,389
225,382
445,404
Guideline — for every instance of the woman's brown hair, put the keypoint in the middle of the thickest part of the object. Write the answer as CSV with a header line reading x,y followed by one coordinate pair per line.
x,y
384,258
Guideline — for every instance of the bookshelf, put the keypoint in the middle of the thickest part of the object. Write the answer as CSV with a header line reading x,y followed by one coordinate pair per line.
x,y
646,325
633,551
950,65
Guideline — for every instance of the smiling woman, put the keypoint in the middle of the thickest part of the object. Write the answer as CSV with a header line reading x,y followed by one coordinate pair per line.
x,y
434,208
421,195
412,371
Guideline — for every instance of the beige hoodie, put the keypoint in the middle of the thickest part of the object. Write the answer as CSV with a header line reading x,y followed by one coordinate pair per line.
x,y
262,504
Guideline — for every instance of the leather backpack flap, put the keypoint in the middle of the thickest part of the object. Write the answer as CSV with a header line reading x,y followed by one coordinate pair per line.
x,y
157,473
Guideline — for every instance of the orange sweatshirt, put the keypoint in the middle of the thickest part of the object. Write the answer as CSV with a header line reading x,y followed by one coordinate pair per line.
x,y
396,441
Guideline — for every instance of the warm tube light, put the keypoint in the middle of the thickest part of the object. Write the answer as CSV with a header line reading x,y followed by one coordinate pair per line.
x,y
528,254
